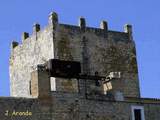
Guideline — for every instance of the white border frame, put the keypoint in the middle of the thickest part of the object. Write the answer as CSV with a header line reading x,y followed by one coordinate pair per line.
x,y
140,108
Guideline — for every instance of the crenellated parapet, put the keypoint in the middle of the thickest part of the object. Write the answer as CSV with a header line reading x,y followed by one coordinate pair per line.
x,y
14,44
82,23
53,20
104,25
53,23
128,30
36,28
25,35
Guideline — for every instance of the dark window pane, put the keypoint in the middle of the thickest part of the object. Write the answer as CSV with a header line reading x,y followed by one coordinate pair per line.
x,y
97,83
137,114
30,87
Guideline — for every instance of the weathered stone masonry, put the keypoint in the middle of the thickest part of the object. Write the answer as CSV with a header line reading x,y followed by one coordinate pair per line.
x,y
97,49
100,52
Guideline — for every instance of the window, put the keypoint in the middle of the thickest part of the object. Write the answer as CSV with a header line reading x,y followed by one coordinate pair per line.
x,y
138,113
97,82
30,91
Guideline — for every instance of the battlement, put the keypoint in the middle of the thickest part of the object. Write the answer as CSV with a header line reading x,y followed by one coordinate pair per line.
x,y
82,27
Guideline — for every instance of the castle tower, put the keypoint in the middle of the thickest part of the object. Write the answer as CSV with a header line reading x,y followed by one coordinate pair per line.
x,y
66,72
99,50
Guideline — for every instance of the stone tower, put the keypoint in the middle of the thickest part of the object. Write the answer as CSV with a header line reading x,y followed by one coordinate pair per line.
x,y
66,72
97,49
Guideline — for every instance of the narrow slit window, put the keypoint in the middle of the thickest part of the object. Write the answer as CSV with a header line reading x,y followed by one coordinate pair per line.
x,y
138,113
30,91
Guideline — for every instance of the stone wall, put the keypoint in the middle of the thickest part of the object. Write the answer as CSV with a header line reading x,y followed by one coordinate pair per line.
x,y
100,51
72,107
23,109
34,50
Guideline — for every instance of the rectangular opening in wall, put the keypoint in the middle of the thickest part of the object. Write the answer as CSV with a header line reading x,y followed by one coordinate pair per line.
x,y
138,113
53,83
30,88
64,69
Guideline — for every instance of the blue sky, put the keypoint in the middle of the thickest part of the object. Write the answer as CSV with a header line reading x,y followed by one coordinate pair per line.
x,y
17,16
